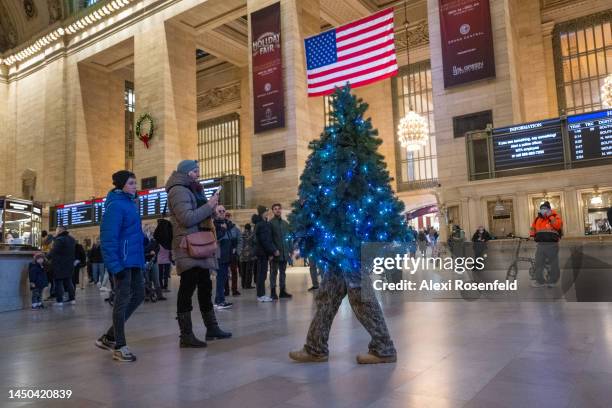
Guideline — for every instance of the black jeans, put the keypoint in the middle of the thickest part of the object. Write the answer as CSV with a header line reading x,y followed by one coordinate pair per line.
x,y
129,294
547,251
164,275
190,280
278,268
246,273
60,285
262,275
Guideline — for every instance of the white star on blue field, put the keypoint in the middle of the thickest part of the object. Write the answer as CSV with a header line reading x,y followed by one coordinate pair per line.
x,y
321,49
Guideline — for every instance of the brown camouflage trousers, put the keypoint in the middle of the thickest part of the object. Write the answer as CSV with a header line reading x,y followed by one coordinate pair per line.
x,y
366,308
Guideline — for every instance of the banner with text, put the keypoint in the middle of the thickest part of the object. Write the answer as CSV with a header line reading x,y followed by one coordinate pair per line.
x,y
268,98
467,43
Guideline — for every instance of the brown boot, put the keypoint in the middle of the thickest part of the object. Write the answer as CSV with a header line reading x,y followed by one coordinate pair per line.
x,y
302,356
371,358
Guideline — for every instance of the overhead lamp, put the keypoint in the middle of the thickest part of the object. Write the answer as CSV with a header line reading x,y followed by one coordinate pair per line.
x,y
413,129
499,208
597,200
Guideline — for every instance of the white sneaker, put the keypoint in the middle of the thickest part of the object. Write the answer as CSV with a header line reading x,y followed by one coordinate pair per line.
x,y
73,302
104,289
265,299
99,285
58,304
124,354
536,284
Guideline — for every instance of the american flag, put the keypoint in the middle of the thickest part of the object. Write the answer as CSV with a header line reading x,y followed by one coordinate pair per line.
x,y
360,53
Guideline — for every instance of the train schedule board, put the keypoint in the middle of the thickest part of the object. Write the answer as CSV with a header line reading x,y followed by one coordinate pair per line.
x,y
70,215
590,135
528,145
210,186
152,202
99,209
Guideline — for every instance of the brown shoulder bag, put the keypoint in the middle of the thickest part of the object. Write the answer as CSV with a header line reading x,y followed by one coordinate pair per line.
x,y
201,244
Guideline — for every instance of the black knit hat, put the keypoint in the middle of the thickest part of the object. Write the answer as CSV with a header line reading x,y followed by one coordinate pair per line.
x,y
261,209
545,204
121,177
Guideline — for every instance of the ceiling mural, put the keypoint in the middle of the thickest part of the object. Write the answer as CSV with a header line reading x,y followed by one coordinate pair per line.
x,y
20,20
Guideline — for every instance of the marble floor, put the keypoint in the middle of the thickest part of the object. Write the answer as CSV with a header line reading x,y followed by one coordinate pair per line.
x,y
450,354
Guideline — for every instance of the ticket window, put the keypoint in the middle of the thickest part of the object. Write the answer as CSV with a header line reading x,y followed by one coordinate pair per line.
x,y
20,224
596,207
501,218
554,200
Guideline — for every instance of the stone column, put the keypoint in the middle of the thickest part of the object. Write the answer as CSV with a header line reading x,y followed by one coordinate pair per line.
x,y
5,134
165,87
573,217
51,181
303,115
246,128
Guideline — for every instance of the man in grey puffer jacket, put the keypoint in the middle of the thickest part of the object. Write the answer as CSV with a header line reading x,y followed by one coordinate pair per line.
x,y
189,210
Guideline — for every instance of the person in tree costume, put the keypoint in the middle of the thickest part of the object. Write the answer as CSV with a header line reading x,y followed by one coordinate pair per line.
x,y
345,199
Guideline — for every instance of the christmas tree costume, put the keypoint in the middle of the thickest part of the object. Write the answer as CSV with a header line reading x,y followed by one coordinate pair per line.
x,y
345,199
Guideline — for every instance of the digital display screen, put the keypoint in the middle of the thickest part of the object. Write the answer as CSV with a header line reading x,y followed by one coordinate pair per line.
x,y
152,202
527,145
590,135
99,209
210,186
74,214
18,206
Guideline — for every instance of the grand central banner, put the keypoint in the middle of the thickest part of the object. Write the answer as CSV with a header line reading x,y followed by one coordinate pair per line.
x,y
268,98
467,42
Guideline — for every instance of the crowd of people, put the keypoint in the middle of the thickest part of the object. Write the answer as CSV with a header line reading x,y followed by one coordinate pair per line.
x,y
133,266
203,242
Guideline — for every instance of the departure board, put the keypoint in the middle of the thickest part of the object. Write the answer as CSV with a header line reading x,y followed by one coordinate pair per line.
x,y
152,202
74,214
210,186
99,209
590,135
527,145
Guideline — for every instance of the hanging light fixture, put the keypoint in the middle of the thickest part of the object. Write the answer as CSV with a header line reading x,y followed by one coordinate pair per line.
x,y
413,130
500,208
596,198
606,92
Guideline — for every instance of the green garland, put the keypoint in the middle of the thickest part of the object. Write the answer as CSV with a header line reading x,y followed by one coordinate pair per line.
x,y
145,138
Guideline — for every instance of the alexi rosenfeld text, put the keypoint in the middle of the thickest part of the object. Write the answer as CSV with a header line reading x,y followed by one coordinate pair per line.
x,y
458,265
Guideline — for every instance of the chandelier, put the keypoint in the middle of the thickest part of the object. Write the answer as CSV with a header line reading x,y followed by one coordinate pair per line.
x,y
606,92
413,130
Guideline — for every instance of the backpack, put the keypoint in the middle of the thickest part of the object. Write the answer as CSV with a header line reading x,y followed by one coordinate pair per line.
x,y
163,232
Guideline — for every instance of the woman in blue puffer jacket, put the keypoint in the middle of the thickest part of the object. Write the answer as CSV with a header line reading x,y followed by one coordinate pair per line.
x,y
122,243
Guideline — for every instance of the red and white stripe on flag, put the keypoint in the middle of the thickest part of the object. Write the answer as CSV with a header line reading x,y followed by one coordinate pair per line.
x,y
360,53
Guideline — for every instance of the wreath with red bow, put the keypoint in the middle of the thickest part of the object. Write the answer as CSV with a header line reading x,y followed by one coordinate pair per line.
x,y
145,128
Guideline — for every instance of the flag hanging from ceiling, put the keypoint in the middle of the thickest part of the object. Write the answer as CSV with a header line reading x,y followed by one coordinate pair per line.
x,y
360,53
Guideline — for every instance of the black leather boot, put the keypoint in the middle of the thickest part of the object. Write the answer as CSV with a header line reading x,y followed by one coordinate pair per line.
x,y
188,339
213,331
273,294
284,294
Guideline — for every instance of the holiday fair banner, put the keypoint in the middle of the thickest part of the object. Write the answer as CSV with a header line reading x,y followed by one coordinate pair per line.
x,y
467,43
268,98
